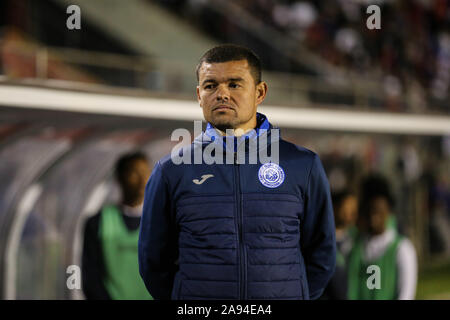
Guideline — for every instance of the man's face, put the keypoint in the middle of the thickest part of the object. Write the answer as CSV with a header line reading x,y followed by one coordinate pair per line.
x,y
136,179
228,95
379,210
348,211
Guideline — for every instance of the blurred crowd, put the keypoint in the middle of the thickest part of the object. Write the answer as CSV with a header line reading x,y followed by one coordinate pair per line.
x,y
410,54
411,201
417,172
369,241
411,51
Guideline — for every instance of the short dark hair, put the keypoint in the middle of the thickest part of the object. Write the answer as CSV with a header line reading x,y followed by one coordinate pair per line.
x,y
375,185
232,52
124,163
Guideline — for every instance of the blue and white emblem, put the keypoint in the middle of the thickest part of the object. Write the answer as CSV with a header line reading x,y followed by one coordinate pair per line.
x,y
271,175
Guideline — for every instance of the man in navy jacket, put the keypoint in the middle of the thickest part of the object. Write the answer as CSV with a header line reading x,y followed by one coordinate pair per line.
x,y
230,227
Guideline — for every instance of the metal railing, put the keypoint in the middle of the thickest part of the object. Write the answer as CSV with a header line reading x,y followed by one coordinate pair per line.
x,y
177,78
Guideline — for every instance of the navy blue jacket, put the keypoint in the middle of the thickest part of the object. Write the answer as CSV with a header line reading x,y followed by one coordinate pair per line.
x,y
238,234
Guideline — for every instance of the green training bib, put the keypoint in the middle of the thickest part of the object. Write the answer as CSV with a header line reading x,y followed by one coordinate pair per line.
x,y
120,252
358,276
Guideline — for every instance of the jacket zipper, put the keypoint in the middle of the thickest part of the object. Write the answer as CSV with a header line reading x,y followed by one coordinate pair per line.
x,y
242,272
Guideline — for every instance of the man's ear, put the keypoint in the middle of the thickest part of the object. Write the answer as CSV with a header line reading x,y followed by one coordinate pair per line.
x,y
261,92
198,96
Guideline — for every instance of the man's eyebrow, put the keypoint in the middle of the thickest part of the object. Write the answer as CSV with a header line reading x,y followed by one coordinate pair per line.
x,y
208,80
235,79
228,80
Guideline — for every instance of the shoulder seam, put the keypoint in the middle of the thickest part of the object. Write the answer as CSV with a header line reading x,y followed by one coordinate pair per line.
x,y
162,173
310,171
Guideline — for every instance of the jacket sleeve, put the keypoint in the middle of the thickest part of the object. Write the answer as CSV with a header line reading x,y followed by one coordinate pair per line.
x,y
93,266
157,240
407,270
318,240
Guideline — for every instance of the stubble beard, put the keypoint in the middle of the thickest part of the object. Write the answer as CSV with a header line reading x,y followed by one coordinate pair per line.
x,y
224,123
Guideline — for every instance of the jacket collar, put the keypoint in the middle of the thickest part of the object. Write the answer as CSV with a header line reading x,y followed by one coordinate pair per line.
x,y
211,135
262,124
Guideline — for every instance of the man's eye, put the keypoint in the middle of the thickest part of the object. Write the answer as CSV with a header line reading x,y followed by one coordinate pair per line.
x,y
234,85
209,86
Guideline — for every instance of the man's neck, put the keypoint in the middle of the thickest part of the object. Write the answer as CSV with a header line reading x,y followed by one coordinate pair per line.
x,y
239,131
235,132
132,211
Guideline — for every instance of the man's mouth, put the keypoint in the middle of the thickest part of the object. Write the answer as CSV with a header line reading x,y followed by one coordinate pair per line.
x,y
222,107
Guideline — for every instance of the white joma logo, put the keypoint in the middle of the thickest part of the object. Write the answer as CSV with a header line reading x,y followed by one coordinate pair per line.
x,y
204,177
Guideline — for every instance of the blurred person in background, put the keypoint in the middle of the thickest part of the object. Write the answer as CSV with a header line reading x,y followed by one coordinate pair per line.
x,y
110,253
379,243
345,206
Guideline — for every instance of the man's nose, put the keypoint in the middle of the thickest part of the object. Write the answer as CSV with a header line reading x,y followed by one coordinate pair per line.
x,y
223,94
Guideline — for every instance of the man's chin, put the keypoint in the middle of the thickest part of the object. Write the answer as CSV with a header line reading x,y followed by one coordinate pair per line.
x,y
223,124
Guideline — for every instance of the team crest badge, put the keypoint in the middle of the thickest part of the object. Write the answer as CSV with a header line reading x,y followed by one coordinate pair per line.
x,y
271,175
